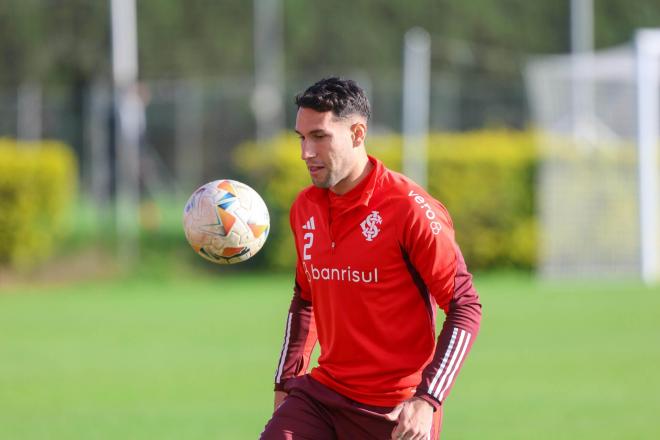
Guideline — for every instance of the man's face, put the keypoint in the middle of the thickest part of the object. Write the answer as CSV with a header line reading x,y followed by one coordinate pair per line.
x,y
327,146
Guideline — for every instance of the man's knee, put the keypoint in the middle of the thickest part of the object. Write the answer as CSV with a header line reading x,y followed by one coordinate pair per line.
x,y
298,417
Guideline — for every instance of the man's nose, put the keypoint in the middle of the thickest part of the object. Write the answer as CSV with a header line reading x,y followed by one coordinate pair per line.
x,y
306,151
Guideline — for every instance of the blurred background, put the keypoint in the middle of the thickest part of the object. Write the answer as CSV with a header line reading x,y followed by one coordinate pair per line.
x,y
534,122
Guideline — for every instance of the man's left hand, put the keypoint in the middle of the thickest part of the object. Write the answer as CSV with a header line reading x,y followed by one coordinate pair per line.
x,y
414,421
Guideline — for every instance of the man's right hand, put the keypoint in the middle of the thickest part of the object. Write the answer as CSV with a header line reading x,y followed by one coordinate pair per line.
x,y
279,398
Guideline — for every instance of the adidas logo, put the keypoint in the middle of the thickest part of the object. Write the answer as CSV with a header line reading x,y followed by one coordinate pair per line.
x,y
310,224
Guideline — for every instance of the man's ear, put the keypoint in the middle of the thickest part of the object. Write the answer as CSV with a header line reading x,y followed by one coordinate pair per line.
x,y
358,133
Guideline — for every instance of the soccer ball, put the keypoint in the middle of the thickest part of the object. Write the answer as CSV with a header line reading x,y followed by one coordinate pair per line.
x,y
226,221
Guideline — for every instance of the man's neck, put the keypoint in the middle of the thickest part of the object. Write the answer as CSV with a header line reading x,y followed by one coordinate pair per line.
x,y
350,181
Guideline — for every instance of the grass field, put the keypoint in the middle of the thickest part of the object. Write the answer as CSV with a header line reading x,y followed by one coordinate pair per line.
x,y
193,358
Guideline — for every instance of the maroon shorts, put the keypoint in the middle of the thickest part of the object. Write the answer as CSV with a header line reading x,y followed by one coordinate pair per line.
x,y
313,411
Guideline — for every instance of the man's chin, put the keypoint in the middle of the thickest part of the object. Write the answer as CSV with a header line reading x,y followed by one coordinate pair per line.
x,y
320,184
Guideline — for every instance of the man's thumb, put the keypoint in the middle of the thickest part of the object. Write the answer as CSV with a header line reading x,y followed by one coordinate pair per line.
x,y
394,414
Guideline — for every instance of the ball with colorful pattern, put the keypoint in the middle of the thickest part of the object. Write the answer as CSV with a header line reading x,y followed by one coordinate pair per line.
x,y
226,221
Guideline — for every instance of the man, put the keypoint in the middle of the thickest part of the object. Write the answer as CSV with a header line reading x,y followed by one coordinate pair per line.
x,y
376,255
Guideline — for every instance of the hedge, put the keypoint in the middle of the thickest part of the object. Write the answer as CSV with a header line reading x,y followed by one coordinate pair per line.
x,y
37,189
484,178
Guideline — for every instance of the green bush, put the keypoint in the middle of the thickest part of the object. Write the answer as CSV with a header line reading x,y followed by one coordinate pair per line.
x,y
484,178
37,188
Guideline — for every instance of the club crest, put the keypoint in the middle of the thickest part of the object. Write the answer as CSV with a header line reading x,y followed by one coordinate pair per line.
x,y
369,226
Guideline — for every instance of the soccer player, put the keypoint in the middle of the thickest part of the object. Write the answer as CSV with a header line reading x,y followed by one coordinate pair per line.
x,y
376,257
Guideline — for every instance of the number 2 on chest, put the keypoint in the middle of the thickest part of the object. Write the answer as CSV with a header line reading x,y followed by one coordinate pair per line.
x,y
309,240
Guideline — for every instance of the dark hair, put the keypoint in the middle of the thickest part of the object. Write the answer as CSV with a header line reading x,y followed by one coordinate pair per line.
x,y
343,97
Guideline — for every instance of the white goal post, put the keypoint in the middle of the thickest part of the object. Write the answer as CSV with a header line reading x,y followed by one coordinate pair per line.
x,y
598,183
647,45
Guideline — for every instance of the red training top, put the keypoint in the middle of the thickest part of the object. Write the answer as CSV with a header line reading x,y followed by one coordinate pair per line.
x,y
372,266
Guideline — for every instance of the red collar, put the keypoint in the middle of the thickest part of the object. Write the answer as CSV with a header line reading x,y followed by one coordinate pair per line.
x,y
320,195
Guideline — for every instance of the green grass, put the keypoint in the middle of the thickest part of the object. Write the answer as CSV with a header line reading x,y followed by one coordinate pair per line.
x,y
193,357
